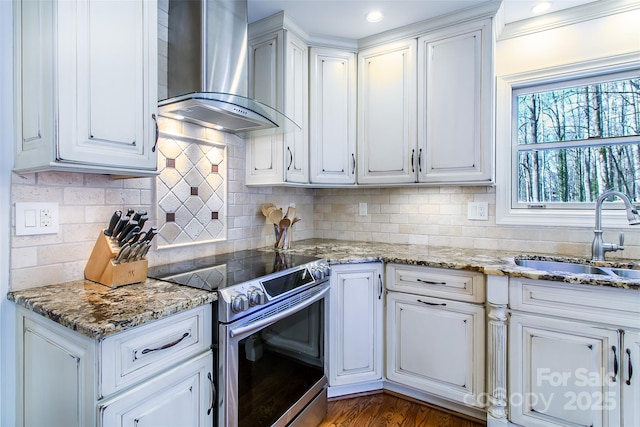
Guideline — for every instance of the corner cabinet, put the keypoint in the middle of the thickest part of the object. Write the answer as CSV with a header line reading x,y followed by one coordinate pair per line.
x,y
435,332
573,350
356,328
455,104
332,116
425,108
87,90
279,77
387,113
160,373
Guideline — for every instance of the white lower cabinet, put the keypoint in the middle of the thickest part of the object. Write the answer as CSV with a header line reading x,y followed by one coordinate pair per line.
x,y
435,345
181,397
355,328
572,351
157,374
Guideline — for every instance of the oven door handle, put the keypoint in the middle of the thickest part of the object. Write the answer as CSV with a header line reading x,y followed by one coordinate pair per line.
x,y
256,326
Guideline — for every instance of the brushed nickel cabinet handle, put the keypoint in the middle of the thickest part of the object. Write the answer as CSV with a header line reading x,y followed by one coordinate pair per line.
x,y
432,303
615,363
213,393
429,282
155,143
629,367
162,347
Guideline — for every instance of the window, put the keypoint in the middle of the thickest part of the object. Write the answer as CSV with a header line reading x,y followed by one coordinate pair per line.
x,y
573,140
564,135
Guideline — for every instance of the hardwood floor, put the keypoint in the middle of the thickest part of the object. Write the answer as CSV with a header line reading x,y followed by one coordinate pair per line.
x,y
384,410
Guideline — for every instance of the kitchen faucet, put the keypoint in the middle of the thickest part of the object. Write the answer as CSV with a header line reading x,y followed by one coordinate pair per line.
x,y
599,247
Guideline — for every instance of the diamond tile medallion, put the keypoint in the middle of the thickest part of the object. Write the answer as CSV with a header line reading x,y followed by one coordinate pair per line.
x,y
191,192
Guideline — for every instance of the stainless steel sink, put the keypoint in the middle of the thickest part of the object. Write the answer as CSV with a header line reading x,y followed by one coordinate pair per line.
x,y
627,273
577,268
558,266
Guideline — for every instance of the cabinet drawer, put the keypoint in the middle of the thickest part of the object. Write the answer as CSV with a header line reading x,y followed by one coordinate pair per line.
x,y
583,302
139,353
459,285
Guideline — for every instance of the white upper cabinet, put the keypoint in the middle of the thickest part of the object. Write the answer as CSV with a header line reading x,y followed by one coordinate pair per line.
x,y
332,118
279,77
455,104
89,88
387,113
265,158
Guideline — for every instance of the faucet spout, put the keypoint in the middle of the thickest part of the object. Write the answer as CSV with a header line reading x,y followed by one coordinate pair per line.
x,y
599,247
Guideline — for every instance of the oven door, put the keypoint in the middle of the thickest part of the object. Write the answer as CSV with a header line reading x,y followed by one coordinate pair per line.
x,y
273,363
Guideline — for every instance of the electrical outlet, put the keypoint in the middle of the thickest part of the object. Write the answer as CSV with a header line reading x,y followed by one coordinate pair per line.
x,y
362,209
478,211
36,218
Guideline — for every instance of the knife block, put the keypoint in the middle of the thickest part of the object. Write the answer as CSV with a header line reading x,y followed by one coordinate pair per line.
x,y
101,268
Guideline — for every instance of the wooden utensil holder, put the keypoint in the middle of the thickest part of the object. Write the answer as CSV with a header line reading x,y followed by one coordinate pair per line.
x,y
101,268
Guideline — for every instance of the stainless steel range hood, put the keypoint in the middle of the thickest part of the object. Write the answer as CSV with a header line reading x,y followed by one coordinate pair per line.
x,y
207,70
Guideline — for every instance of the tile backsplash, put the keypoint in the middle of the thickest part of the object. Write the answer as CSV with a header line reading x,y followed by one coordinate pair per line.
x,y
191,191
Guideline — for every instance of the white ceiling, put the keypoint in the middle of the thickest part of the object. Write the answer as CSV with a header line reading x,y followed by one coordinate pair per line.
x,y
345,18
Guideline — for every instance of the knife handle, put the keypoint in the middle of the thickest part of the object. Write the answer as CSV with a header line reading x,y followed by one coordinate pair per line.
x,y
138,215
151,234
142,220
127,228
128,238
112,223
121,224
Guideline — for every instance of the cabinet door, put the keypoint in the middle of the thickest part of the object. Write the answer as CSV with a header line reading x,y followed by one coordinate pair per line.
x,y
436,346
33,60
296,107
265,155
387,113
332,120
561,373
629,383
355,324
107,82
57,380
183,396
455,104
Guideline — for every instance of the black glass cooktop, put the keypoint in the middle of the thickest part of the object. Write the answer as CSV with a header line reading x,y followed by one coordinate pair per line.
x,y
221,271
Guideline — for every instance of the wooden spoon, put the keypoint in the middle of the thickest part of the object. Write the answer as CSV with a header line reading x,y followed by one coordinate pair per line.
x,y
284,224
291,213
267,208
296,219
275,216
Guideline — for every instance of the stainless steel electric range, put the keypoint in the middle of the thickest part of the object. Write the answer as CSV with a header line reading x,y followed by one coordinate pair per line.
x,y
270,334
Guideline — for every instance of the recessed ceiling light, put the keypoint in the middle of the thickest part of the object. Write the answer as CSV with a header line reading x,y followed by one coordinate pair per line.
x,y
374,16
541,7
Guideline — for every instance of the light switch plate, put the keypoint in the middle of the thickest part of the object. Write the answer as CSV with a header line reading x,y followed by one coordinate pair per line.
x,y
36,218
478,211
362,209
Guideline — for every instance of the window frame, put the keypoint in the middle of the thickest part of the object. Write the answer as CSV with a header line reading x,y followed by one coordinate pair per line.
x,y
506,174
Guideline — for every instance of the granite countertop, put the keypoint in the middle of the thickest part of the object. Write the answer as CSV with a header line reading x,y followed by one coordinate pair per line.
x,y
490,262
97,311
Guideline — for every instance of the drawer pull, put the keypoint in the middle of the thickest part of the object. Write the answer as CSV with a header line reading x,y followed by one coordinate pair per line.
x,y
429,282
615,363
213,393
432,303
163,347
629,368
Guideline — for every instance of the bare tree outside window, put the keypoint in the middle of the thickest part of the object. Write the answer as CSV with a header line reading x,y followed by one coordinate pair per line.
x,y
573,143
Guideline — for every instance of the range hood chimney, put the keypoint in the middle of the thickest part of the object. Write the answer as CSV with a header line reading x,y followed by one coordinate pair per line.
x,y
207,70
